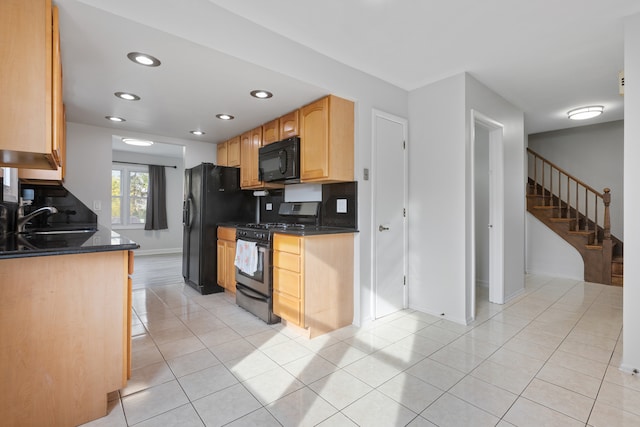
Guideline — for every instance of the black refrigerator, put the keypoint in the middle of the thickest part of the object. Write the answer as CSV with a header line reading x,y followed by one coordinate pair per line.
x,y
212,196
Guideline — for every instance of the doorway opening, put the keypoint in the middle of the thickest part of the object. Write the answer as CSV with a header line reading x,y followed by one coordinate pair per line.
x,y
487,212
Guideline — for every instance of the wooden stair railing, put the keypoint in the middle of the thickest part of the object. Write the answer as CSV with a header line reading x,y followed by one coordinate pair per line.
x,y
586,211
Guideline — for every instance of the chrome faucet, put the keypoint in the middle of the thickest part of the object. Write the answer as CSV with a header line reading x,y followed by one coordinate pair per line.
x,y
23,219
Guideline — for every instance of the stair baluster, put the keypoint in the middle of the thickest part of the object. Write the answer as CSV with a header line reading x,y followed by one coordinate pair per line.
x,y
583,220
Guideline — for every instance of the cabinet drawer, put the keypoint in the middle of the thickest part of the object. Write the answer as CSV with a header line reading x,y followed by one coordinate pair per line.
x,y
226,233
285,243
288,308
287,282
286,260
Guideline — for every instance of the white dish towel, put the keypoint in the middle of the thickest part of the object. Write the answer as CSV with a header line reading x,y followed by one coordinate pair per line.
x,y
246,256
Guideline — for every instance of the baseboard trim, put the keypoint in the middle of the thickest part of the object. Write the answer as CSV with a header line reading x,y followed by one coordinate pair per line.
x,y
142,252
627,369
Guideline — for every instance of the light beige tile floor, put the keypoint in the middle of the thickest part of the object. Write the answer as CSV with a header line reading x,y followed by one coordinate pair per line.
x,y
549,357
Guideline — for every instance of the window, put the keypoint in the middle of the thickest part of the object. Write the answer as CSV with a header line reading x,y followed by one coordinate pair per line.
x,y
129,187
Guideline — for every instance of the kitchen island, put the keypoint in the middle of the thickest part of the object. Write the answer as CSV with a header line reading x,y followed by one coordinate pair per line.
x,y
65,307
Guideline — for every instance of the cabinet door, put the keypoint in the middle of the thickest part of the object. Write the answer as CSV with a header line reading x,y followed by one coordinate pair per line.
x,y
289,125
245,160
233,152
26,125
256,143
271,132
56,88
314,146
221,154
230,254
222,273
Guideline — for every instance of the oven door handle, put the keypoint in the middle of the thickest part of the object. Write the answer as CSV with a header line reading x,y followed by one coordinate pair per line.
x,y
249,293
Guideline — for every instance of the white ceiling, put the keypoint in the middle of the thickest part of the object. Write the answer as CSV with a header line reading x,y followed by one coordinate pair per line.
x,y
544,56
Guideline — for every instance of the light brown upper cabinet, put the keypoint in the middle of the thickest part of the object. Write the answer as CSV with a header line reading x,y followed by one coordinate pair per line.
x,y
250,144
233,152
326,140
222,154
271,132
30,85
228,153
290,125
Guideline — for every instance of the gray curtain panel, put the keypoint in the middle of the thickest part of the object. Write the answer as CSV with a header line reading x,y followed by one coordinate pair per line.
x,y
156,200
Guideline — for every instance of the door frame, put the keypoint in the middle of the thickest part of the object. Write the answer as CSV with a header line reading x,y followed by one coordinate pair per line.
x,y
374,197
496,210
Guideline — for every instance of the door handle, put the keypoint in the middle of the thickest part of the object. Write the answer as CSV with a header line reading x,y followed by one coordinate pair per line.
x,y
383,228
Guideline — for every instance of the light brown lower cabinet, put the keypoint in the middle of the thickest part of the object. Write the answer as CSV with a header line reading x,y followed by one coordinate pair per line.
x,y
313,281
64,336
226,258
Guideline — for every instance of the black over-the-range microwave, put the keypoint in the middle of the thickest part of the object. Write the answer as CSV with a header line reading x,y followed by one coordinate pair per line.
x,y
280,161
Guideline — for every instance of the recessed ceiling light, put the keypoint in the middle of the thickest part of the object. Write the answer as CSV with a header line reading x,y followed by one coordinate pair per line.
x,y
584,113
143,59
261,94
127,96
115,119
196,132
138,142
225,116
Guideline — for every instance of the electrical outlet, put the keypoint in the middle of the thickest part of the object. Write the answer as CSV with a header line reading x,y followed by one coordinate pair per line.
x,y
365,174
268,207
341,206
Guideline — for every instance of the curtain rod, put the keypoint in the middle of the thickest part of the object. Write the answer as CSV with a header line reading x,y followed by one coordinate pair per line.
x,y
144,164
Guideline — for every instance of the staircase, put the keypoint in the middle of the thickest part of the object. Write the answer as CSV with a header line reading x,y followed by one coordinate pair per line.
x,y
579,214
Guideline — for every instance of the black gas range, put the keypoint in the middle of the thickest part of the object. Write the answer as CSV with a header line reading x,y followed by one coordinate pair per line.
x,y
254,271
254,279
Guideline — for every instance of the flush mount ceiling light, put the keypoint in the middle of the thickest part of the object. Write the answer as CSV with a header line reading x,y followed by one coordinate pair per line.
x,y
138,142
225,116
127,96
584,113
261,94
143,59
115,119
196,132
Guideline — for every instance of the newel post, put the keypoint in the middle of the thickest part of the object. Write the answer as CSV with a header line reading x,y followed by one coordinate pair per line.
x,y
607,244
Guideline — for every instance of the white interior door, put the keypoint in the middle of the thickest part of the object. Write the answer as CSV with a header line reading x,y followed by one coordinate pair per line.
x,y
496,202
389,221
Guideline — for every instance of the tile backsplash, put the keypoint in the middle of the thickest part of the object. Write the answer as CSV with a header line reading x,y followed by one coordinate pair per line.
x,y
339,203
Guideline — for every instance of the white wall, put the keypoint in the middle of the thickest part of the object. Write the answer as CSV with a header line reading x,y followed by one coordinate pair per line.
x,y
631,319
549,254
482,100
437,198
170,239
595,155
440,196
88,177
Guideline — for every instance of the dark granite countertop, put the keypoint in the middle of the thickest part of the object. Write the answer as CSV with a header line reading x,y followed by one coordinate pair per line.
x,y
63,242
315,231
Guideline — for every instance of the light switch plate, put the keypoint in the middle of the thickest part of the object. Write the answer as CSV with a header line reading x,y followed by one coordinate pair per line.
x,y
97,205
268,206
341,206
